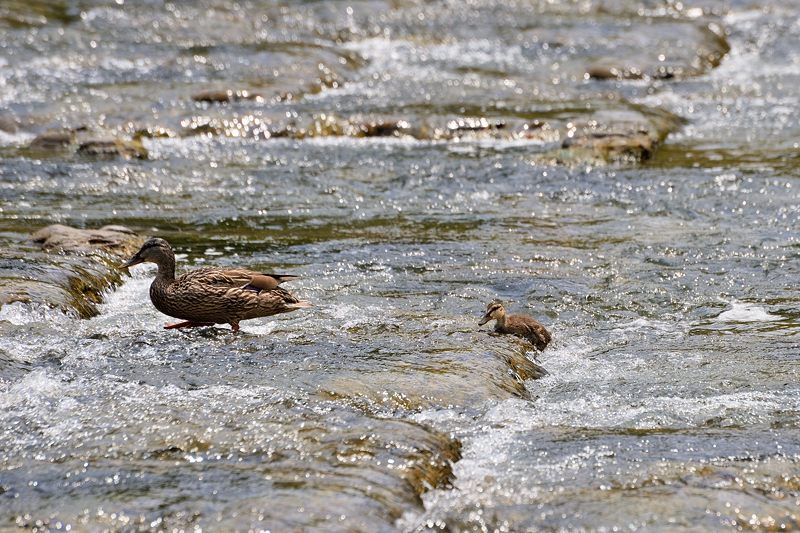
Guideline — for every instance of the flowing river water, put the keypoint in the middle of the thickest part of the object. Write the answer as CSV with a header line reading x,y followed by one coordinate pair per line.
x,y
627,171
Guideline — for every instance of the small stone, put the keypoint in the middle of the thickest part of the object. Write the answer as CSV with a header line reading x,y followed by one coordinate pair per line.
x,y
225,96
53,140
610,72
8,124
153,133
381,128
113,148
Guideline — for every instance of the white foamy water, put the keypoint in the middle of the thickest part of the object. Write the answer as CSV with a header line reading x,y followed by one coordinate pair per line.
x,y
15,139
20,314
128,309
746,312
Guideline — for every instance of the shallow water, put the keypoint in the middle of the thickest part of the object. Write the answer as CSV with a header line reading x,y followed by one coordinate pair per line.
x,y
671,400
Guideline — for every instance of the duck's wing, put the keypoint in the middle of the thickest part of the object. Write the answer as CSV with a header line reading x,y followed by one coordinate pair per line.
x,y
217,278
250,293
533,330
235,277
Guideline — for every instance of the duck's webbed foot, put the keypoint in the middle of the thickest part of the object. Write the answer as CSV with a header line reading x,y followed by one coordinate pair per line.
x,y
188,324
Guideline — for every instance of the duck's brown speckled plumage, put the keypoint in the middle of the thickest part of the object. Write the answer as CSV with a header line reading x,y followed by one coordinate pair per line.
x,y
208,296
520,325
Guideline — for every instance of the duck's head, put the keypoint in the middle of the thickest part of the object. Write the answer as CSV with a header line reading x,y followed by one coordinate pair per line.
x,y
494,311
154,250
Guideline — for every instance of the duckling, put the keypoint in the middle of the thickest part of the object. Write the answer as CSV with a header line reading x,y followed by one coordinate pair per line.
x,y
520,325
208,296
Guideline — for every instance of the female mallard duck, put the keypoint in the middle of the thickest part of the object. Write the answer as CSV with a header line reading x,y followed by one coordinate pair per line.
x,y
208,296
519,325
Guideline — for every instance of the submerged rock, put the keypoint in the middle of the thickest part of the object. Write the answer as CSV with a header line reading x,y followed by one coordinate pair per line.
x,y
113,239
66,268
604,71
620,134
65,140
226,95
53,140
617,136
156,132
129,149
7,124
684,50
33,13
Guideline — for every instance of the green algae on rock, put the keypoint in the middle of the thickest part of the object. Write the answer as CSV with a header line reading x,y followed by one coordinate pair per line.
x,y
58,142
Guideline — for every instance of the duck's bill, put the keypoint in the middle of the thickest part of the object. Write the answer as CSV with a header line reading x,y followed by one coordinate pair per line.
x,y
135,260
484,320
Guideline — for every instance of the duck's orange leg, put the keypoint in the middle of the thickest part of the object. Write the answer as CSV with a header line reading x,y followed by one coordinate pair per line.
x,y
235,326
188,324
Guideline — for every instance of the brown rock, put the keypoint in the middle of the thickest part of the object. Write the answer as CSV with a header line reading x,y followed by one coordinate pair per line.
x,y
634,146
156,132
381,128
601,71
8,124
71,269
225,96
115,240
113,148
52,140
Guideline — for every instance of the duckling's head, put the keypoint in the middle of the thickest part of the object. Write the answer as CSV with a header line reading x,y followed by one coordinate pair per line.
x,y
494,311
154,250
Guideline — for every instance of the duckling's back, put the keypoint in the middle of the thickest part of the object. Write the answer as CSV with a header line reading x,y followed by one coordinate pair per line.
x,y
528,328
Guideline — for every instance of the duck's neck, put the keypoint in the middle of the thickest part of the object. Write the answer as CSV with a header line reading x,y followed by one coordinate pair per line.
x,y
501,321
166,270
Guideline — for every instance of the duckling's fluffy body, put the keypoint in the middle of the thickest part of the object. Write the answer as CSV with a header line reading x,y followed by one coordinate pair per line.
x,y
208,296
520,325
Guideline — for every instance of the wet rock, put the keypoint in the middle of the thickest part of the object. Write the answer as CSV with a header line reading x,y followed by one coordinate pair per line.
x,y
461,368
7,124
621,133
636,146
601,71
618,136
66,268
382,128
156,132
475,124
523,368
113,239
60,141
24,13
685,50
247,126
298,465
54,140
227,95
107,148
